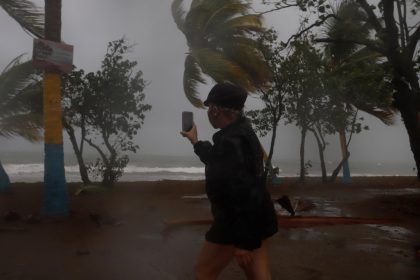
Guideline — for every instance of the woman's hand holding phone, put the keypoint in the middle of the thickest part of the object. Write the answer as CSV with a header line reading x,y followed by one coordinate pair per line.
x,y
191,135
189,130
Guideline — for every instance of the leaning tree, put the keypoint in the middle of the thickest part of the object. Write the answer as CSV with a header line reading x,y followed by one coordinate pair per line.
x,y
394,34
31,19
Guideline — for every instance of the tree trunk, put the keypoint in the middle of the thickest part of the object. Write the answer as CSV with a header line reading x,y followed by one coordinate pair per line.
x,y
346,168
338,168
321,148
269,157
405,80
82,167
302,155
56,200
405,101
4,180
109,175
273,141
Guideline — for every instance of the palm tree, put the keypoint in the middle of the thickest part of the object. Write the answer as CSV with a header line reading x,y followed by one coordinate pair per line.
x,y
30,18
56,200
350,22
395,35
20,106
218,34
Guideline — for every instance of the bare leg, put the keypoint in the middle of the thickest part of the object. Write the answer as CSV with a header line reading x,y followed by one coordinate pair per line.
x,y
212,260
259,269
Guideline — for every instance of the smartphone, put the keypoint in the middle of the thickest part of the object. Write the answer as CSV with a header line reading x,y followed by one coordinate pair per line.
x,y
187,121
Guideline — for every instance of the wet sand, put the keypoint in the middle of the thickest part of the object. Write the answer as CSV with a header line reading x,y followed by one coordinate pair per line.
x,y
120,234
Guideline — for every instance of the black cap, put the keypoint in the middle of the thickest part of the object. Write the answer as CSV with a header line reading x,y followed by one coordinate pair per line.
x,y
227,95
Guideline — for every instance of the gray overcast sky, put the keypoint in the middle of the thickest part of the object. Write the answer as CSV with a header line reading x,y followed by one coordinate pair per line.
x,y
160,50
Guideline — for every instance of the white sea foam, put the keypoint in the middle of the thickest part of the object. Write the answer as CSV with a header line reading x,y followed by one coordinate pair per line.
x,y
13,169
189,170
150,168
27,168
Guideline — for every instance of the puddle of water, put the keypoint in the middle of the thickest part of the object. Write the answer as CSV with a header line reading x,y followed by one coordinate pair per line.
x,y
393,232
325,207
320,207
394,191
303,234
398,252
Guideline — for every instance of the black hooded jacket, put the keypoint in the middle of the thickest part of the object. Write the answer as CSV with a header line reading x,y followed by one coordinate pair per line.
x,y
241,205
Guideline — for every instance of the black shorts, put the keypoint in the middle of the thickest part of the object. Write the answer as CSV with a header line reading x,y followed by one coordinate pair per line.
x,y
220,234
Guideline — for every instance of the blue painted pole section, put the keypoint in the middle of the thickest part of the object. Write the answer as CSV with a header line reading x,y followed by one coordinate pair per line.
x,y
4,180
346,172
275,180
56,198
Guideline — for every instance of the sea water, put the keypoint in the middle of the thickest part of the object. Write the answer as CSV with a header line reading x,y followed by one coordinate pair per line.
x,y
28,167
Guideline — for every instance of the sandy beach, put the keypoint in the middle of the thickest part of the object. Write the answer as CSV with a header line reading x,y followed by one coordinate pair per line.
x,y
122,233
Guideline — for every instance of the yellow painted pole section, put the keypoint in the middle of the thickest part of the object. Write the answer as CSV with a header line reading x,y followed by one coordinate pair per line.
x,y
53,133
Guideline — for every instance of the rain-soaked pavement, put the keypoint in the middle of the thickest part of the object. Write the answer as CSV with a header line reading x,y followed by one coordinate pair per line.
x,y
339,251
141,248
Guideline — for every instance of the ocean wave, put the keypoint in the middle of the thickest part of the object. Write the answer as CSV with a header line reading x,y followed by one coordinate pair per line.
x,y
27,168
189,170
37,169
31,168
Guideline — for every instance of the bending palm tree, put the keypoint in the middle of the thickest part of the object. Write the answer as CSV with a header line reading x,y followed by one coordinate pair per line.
x,y
349,22
31,19
220,46
56,200
20,106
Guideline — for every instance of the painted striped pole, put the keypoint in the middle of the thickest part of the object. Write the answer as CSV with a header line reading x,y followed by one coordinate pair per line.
x,y
4,180
56,199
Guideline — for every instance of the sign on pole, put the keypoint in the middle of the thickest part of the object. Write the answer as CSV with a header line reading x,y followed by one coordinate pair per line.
x,y
52,56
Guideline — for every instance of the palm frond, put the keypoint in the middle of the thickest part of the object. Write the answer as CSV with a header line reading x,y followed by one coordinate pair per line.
x,y
224,12
29,99
349,23
15,78
363,55
192,76
195,3
241,40
221,69
20,101
195,21
27,126
250,59
15,61
29,16
247,23
385,115
212,5
178,14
